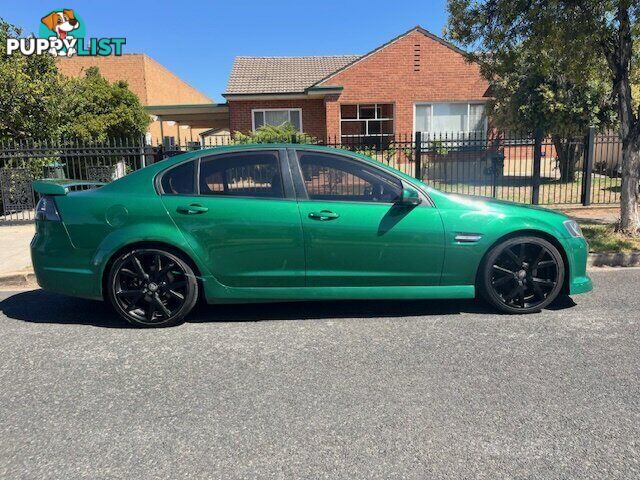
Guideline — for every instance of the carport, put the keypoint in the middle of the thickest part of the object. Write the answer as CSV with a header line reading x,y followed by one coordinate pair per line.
x,y
198,116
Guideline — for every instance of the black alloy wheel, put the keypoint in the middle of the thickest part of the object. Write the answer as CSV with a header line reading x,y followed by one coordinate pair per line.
x,y
522,275
152,288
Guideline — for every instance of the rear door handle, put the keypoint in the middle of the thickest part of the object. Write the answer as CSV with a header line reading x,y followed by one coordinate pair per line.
x,y
323,215
193,209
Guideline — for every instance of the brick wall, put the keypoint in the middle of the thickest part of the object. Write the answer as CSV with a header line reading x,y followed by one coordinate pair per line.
x,y
414,68
129,67
165,88
313,114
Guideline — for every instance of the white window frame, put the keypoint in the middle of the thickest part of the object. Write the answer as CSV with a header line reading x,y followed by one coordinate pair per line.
x,y
265,110
468,103
366,120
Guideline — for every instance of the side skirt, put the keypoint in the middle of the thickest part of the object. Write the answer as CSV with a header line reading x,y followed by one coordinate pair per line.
x,y
247,295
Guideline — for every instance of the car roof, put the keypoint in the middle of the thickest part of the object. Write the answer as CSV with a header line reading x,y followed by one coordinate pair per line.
x,y
260,146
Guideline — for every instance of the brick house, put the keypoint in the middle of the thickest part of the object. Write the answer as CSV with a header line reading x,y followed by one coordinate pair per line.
x,y
417,81
179,110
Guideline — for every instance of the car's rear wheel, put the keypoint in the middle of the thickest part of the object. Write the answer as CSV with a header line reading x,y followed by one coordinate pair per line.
x,y
522,275
151,287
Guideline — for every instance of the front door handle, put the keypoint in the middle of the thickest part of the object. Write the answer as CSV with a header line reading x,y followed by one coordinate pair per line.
x,y
323,215
193,209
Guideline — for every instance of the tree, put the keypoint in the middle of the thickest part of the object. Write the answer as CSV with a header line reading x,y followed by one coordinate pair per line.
x,y
533,91
30,101
578,32
38,103
96,109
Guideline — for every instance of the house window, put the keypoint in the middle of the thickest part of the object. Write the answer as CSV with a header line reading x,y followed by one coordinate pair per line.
x,y
451,118
366,124
277,117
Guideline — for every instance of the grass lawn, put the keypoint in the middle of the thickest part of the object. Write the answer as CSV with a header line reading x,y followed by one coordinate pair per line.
x,y
604,190
603,238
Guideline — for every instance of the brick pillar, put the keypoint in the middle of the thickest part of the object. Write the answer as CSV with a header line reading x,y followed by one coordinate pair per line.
x,y
403,121
332,108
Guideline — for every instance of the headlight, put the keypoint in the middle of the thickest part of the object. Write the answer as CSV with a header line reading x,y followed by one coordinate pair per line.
x,y
573,228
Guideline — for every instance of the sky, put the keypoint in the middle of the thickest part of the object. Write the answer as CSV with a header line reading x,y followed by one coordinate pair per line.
x,y
197,40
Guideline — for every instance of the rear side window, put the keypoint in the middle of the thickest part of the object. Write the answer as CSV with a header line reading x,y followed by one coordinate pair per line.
x,y
179,180
246,174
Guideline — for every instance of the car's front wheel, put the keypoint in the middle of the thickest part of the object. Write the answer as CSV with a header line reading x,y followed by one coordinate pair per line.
x,y
522,275
152,287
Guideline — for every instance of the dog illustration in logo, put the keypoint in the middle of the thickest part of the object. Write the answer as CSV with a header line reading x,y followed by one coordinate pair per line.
x,y
62,23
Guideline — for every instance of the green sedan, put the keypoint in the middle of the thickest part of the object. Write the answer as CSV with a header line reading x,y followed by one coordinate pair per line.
x,y
258,223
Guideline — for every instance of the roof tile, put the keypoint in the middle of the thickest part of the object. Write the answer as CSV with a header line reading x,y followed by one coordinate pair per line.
x,y
263,75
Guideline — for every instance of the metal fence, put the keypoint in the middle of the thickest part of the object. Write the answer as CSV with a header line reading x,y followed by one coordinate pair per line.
x,y
23,162
521,168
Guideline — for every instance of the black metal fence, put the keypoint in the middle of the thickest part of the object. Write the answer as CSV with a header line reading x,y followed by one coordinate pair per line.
x,y
521,168
23,162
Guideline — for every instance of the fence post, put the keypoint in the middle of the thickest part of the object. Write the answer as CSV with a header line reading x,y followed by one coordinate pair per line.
x,y
587,168
537,156
418,155
495,163
143,158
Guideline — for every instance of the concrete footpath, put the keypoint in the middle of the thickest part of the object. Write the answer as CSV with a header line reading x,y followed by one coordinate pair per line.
x,y
604,215
15,259
14,248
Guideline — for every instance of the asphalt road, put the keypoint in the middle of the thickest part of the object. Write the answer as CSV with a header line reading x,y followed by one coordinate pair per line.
x,y
335,390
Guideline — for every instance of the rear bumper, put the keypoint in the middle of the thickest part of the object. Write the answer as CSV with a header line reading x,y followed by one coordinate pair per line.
x,y
60,267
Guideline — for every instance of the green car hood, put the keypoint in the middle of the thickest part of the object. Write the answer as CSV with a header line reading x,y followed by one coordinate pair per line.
x,y
471,202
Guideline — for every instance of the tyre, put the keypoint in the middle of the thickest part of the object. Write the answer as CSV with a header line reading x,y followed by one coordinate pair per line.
x,y
152,287
522,275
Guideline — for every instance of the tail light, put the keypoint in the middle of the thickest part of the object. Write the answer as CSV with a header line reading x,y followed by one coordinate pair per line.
x,y
47,210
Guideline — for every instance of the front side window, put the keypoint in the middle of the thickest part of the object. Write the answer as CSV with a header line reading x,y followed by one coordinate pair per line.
x,y
277,117
246,174
331,177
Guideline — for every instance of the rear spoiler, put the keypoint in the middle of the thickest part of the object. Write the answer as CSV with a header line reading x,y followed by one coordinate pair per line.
x,y
62,187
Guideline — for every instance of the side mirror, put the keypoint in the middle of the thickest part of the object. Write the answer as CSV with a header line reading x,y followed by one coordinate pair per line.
x,y
409,197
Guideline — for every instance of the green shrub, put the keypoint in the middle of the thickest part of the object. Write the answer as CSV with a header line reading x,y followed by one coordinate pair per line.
x,y
285,133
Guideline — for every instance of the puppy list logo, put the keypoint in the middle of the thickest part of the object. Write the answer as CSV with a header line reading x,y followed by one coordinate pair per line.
x,y
62,33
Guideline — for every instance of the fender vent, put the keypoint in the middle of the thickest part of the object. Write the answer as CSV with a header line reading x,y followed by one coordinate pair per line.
x,y
467,237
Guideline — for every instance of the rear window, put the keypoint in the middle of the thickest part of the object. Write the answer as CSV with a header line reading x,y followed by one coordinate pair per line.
x,y
179,180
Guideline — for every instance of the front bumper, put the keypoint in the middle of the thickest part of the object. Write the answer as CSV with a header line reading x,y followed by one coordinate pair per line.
x,y
577,250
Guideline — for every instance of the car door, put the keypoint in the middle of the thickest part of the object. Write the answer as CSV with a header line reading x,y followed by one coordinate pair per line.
x,y
354,231
239,214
